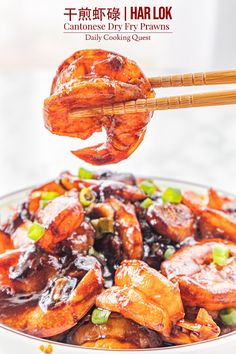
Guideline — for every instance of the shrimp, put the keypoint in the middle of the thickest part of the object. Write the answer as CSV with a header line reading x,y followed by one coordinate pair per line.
x,y
24,271
218,222
90,78
128,229
7,260
82,239
194,201
174,221
104,188
202,283
187,332
5,242
61,217
66,302
19,237
117,333
36,194
221,202
134,305
143,295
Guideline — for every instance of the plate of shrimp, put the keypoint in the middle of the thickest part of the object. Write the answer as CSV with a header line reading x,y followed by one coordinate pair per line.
x,y
113,261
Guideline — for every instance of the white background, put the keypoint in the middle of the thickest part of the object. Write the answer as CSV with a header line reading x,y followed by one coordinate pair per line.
x,y
198,145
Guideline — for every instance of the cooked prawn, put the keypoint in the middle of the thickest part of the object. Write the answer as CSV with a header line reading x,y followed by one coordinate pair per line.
x,y
19,237
187,332
36,194
214,222
221,202
15,264
81,239
61,217
103,187
145,296
63,315
117,333
5,242
174,221
128,229
201,282
91,78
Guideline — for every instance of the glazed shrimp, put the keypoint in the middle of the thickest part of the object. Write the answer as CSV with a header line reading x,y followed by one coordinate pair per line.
x,y
174,221
221,202
69,302
19,237
201,282
145,296
61,217
128,229
7,260
187,332
104,188
90,78
23,271
220,223
117,333
217,222
5,242
36,194
82,239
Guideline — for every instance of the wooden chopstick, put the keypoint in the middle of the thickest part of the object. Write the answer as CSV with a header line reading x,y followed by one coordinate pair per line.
x,y
195,79
154,104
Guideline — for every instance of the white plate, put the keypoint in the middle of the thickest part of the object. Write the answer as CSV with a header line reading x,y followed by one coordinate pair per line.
x,y
13,342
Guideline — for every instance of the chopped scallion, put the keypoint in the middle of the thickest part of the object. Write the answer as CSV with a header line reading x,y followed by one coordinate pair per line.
x,y
36,231
172,195
228,316
220,254
148,186
100,316
146,203
46,197
49,195
86,197
84,174
169,252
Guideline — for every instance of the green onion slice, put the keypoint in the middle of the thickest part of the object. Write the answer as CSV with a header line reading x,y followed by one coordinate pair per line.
x,y
228,316
49,195
84,174
103,226
169,252
36,231
148,186
100,316
86,197
146,203
172,195
220,254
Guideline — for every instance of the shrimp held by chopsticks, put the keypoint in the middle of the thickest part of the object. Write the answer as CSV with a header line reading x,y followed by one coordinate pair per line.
x,y
91,78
